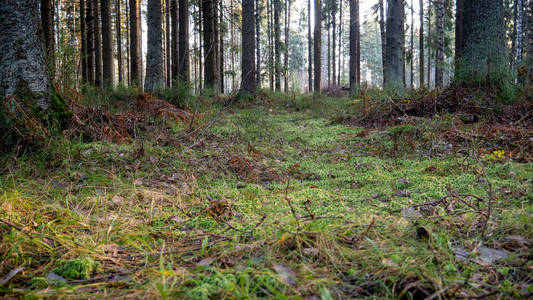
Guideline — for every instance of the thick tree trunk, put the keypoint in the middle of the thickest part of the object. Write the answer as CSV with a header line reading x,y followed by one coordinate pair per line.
x,y
429,44
309,48
258,8
183,52
421,45
221,49
209,44
154,79
47,19
118,28
107,44
97,45
340,64
317,45
517,61
277,44
286,44
411,48
383,34
439,62
459,34
83,34
354,45
168,64
248,47
135,44
89,21
484,56
530,38
333,44
22,63
394,51
174,48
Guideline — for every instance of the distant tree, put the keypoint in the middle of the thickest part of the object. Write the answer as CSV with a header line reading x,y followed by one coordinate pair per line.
x,y
354,45
154,57
24,73
97,45
107,43
383,35
394,48
439,62
333,40
258,9
135,43
317,46
517,58
89,21
421,44
83,35
286,44
277,44
459,37
183,51
248,47
530,37
210,51
118,28
174,47
309,48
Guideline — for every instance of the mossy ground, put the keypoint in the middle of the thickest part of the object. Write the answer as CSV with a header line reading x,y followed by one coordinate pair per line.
x,y
272,199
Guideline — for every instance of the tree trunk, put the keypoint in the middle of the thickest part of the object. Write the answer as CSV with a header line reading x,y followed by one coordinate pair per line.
x,y
309,48
107,44
394,50
340,45
328,44
421,45
221,49
128,52
286,56
175,39
270,45
154,80
277,44
429,44
530,38
135,43
89,21
168,64
22,62
517,61
209,44
97,45
118,28
354,45
83,34
484,56
383,36
317,45
333,45
47,19
216,47
459,34
248,47
411,48
183,52
439,62
258,7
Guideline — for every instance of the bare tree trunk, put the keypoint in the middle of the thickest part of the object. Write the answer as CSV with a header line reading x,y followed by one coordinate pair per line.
x,y
394,53
47,19
168,63
209,44
248,47
333,45
83,29
340,44
286,62
530,38
118,28
97,45
135,44
317,45
154,80
383,36
258,6
439,62
421,45
89,20
354,46
221,49
517,61
411,47
277,44
183,51
216,47
328,44
174,41
429,44
22,62
271,44
309,48
107,44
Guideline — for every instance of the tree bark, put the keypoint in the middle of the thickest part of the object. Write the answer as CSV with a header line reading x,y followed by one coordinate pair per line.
x,y
484,56
439,62
97,45
89,21
411,47
258,8
530,38
47,19
154,79
333,40
270,44
309,48
394,50
135,44
354,45
286,44
24,73
83,34
517,61
317,45
118,28
277,44
168,64
340,64
421,45
459,35
209,44
248,47
383,36
107,44
221,48
175,40
183,51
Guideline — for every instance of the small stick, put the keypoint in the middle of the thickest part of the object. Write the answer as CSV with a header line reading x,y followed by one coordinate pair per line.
x,y
293,211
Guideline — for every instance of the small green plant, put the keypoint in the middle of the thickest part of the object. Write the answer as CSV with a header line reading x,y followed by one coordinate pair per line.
x,y
76,269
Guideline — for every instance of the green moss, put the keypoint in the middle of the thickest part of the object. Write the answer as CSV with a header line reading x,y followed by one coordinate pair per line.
x,y
76,269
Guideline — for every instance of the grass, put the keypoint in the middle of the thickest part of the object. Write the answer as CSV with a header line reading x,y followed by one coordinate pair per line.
x,y
271,200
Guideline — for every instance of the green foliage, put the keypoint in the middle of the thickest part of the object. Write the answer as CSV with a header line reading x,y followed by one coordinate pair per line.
x,y
76,269
179,95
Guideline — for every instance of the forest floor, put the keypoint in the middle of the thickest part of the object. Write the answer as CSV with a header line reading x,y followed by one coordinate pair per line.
x,y
289,197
